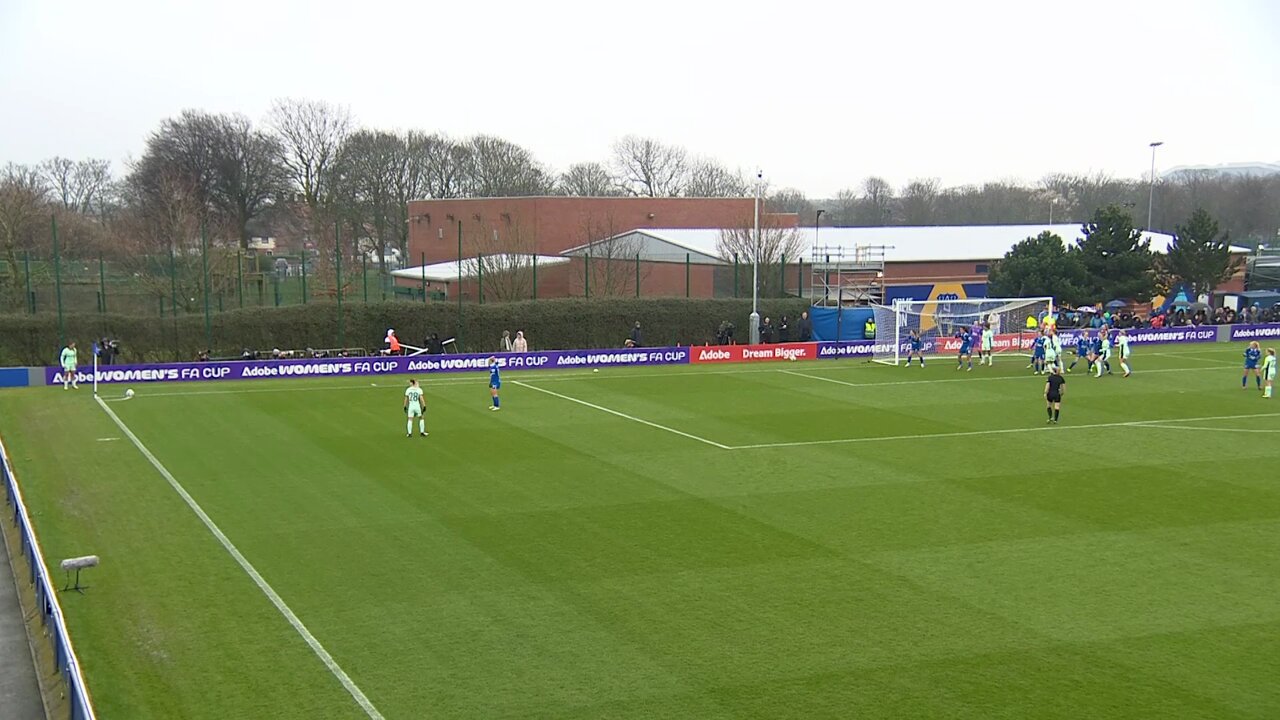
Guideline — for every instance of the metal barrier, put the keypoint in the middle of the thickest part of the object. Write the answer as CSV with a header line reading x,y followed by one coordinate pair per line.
x,y
46,592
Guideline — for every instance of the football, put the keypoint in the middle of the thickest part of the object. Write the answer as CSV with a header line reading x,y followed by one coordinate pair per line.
x,y
128,393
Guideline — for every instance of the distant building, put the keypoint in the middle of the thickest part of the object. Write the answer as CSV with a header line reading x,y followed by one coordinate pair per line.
x,y
549,225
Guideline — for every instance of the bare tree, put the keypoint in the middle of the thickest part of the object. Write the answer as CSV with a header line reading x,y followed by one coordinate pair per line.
x,y
708,178
589,179
409,181
919,201
504,261
81,186
611,261
791,200
875,206
310,133
499,168
365,177
650,168
234,170
445,163
159,240
776,244
23,202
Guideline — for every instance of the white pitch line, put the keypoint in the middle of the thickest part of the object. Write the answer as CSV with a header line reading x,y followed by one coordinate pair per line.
x,y
979,433
361,699
896,383
624,416
1163,426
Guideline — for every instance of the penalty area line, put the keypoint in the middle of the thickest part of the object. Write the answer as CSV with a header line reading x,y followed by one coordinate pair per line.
x,y
361,699
1003,431
623,415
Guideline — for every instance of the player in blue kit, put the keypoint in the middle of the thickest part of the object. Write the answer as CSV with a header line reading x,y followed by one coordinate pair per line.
x,y
1037,354
917,348
495,382
1082,351
965,353
1252,358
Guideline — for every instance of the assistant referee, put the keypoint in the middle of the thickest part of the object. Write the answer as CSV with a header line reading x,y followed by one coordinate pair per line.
x,y
1053,387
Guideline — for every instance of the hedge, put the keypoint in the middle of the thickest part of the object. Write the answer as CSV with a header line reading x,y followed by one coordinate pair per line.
x,y
548,324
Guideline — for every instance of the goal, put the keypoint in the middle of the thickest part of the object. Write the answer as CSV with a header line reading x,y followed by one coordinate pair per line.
x,y
938,321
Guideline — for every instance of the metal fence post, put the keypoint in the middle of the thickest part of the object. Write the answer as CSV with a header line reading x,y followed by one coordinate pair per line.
x,y
304,275
687,266
458,334
586,274
480,278
535,277
239,278
637,274
57,279
735,275
424,276
204,261
102,285
337,277
364,275
782,277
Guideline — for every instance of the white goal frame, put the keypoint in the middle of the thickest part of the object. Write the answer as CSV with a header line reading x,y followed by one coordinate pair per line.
x,y
1008,316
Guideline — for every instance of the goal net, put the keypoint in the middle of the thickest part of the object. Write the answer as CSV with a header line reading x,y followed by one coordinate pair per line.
x,y
938,323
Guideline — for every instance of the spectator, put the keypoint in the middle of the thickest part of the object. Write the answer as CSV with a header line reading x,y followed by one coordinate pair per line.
x,y
804,328
766,331
521,345
202,356
869,329
434,346
784,330
506,345
248,354
636,337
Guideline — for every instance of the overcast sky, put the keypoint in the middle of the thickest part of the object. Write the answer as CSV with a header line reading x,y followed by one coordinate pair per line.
x,y
817,94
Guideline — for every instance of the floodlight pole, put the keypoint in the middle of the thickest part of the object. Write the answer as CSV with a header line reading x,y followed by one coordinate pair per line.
x,y
1151,199
755,270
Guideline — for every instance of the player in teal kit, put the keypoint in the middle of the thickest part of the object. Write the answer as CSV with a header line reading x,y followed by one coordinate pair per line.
x,y
414,404
1252,357
495,382
68,360
1269,371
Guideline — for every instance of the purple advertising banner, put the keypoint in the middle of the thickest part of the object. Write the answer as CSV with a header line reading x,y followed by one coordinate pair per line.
x,y
341,367
865,348
1253,332
1152,336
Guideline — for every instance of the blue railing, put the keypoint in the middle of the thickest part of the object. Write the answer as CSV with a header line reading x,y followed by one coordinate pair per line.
x,y
81,708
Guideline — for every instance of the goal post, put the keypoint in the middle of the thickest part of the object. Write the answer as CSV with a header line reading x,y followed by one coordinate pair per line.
x,y
938,321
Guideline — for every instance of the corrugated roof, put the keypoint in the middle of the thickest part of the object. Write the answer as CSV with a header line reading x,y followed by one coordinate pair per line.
x,y
448,271
907,244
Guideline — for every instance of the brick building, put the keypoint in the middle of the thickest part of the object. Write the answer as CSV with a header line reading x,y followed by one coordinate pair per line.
x,y
547,226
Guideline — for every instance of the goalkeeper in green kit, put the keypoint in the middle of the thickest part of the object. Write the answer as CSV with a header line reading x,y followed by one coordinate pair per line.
x,y
68,362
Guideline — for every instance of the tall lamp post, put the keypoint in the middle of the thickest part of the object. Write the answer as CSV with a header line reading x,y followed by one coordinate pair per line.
x,y
755,269
1151,199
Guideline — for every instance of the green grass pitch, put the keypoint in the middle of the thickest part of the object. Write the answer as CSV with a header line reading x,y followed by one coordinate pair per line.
x,y
796,540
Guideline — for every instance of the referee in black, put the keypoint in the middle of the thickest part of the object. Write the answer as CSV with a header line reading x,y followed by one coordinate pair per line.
x,y
1053,387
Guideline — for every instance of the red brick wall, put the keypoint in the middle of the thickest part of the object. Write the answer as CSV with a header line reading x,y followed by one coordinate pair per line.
x,y
549,225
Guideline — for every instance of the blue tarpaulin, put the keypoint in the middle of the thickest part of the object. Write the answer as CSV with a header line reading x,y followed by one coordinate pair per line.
x,y
850,322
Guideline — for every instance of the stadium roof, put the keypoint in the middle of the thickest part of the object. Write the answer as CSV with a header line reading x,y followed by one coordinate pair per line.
x,y
902,244
448,271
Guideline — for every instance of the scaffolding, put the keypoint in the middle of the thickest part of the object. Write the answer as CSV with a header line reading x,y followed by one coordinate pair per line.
x,y
843,275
